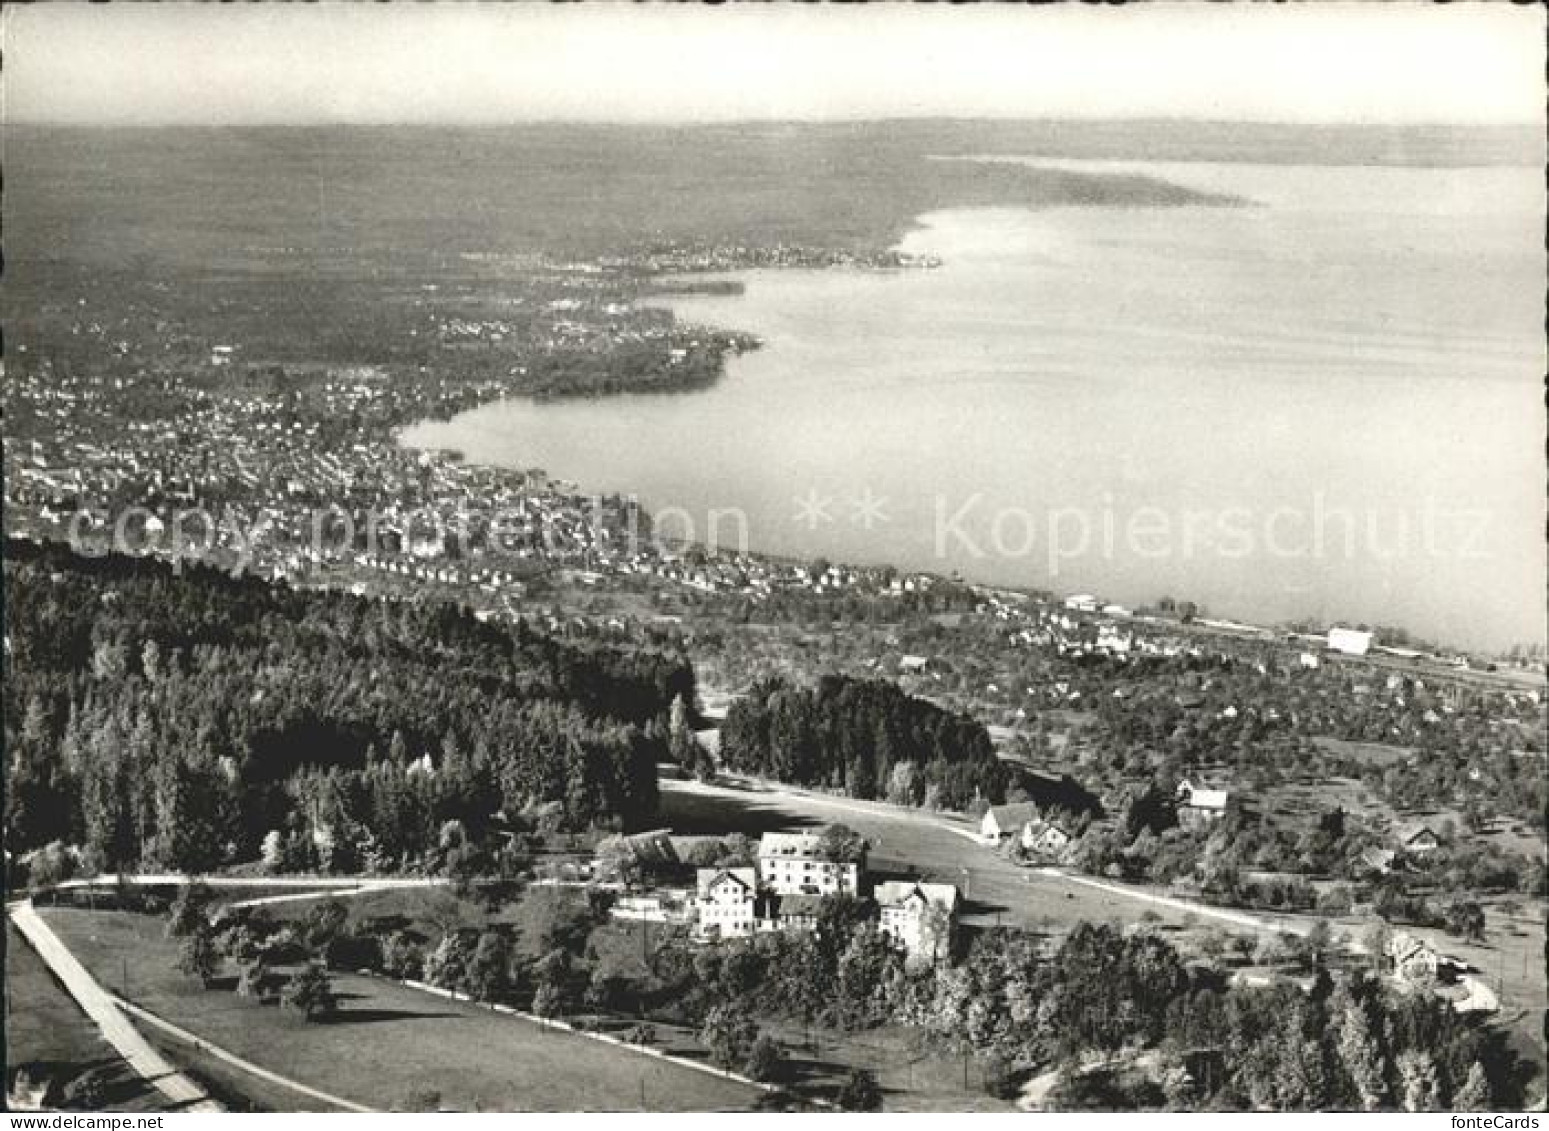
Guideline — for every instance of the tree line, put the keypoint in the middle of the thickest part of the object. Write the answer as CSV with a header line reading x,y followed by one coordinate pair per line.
x,y
866,738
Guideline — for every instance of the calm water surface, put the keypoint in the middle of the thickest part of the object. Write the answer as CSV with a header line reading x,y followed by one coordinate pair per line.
x,y
1326,404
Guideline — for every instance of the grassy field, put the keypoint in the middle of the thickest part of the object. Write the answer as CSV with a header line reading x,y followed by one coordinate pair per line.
x,y
45,1028
1366,753
1511,961
386,1040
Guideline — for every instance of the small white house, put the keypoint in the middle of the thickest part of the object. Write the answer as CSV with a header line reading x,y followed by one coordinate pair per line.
x,y
1045,838
1349,641
1417,839
1197,805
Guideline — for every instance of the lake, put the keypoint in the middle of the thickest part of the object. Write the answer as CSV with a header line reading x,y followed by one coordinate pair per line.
x,y
1325,403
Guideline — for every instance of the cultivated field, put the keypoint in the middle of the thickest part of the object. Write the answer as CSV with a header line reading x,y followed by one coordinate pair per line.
x,y
388,1041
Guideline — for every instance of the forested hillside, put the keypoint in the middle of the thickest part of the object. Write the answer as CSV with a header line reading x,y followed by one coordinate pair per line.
x,y
186,720
865,737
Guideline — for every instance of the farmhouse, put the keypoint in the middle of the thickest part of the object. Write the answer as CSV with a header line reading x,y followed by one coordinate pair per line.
x,y
1045,838
920,916
1001,821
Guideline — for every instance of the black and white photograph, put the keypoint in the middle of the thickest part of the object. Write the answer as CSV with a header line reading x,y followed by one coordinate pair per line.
x,y
787,558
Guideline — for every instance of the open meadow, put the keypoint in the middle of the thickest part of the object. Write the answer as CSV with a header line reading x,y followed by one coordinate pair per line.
x,y
387,1042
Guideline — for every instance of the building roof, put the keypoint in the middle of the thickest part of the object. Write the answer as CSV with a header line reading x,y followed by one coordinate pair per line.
x,y
893,893
1041,826
794,906
1379,858
654,847
797,845
1197,798
1009,817
1402,946
708,878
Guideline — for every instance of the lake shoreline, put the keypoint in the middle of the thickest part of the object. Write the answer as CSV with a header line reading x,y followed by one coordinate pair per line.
x,y
832,333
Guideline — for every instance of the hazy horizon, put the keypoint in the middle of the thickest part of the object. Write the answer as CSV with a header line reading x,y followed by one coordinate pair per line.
x,y
1401,64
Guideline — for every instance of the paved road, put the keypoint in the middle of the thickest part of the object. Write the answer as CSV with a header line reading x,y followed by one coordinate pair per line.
x,y
330,883
103,1010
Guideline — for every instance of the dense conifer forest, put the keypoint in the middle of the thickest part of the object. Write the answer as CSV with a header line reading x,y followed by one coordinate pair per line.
x,y
191,719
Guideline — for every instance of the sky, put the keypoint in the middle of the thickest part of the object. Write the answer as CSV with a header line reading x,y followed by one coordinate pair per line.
x,y
219,64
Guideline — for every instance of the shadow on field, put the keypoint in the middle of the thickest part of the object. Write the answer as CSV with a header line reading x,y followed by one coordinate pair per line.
x,y
343,1014
700,815
367,1016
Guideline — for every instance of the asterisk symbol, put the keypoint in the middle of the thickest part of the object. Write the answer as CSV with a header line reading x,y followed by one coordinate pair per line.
x,y
868,509
813,509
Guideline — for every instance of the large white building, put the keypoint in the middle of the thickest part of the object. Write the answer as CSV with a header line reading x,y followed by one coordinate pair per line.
x,y
727,899
796,864
920,916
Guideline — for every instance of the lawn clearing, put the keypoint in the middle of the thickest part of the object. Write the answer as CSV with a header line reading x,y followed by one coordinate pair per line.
x,y
45,1028
388,1041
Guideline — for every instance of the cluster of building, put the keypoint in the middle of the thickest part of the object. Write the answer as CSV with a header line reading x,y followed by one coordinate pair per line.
x,y
299,478
784,891
694,256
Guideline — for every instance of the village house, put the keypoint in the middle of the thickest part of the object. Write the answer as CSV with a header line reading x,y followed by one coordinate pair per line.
x,y
1199,806
1417,839
788,913
920,916
1414,961
727,902
1001,821
798,864
1045,838
1379,861
666,905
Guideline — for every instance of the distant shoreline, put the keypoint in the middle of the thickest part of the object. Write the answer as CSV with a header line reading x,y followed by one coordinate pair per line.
x,y
731,285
